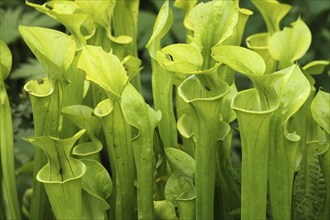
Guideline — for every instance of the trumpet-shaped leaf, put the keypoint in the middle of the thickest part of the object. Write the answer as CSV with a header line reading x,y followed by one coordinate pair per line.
x,y
59,159
259,43
8,192
100,11
162,80
82,117
272,12
186,6
290,44
62,175
143,117
46,104
66,13
255,130
104,69
54,50
236,37
203,94
119,147
162,25
46,107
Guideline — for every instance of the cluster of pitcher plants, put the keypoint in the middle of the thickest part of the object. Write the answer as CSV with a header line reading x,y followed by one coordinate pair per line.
x,y
101,152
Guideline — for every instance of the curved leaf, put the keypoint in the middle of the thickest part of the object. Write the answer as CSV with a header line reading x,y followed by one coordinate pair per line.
x,y
54,50
5,61
272,12
98,185
321,111
290,44
255,131
316,67
176,186
212,22
240,59
137,112
186,6
181,161
82,117
143,117
104,69
162,25
182,58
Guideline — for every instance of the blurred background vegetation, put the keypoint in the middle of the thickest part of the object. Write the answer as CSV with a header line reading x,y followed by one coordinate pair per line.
x,y
316,13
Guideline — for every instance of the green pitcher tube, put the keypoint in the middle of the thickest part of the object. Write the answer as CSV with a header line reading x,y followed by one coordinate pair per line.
x,y
9,204
255,130
45,100
62,175
204,99
118,140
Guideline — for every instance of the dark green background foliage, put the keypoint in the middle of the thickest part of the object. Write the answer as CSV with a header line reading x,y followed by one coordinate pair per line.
x,y
316,14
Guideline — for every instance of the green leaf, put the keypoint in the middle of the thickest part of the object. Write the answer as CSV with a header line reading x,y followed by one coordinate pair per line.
x,y
259,44
176,186
186,126
100,11
146,20
164,211
212,22
58,152
162,25
240,59
290,44
316,67
104,108
186,6
183,58
66,13
255,129
82,117
293,90
181,161
272,12
142,116
8,196
54,50
321,111
98,185
62,175
104,69
137,112
203,94
132,65
5,61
